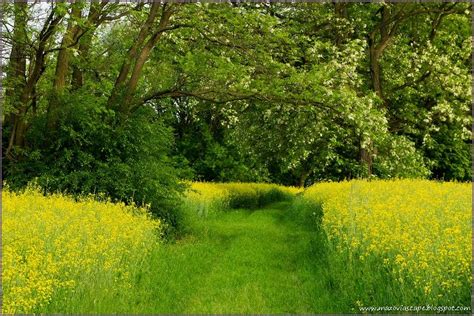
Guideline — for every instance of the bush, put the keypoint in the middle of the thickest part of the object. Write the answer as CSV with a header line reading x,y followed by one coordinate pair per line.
x,y
91,151
398,157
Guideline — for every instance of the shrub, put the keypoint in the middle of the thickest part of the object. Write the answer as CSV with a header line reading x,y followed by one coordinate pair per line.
x,y
90,151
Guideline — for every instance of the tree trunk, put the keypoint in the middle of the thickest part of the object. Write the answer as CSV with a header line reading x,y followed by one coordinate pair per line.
x,y
130,72
77,80
17,66
16,75
340,11
303,176
366,158
375,71
376,49
62,65
70,36
140,62
17,137
120,83
94,19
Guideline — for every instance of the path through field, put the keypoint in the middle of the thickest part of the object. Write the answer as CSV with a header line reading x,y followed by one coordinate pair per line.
x,y
242,261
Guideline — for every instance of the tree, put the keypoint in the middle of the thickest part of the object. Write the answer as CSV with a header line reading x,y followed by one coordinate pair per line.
x,y
292,93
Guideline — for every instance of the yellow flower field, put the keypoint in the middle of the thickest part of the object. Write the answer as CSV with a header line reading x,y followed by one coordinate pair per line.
x,y
421,228
418,230
52,243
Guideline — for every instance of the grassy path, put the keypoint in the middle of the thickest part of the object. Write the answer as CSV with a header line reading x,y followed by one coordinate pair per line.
x,y
242,261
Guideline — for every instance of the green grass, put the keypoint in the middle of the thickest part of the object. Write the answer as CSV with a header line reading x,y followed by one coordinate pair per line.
x,y
240,262
269,260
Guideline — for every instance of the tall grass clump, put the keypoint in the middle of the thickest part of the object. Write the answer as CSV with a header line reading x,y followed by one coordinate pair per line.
x,y
59,251
398,242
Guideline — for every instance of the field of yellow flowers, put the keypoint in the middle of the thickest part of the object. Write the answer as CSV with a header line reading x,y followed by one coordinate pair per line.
x,y
420,229
60,252
55,243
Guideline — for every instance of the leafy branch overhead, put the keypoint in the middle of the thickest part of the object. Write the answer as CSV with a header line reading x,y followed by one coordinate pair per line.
x,y
294,92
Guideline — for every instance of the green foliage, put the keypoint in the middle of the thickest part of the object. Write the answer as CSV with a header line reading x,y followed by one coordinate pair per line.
x,y
255,198
265,92
247,92
204,141
449,155
398,158
90,152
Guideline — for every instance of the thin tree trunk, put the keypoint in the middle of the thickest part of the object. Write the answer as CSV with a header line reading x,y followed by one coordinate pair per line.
x,y
375,72
120,83
366,159
376,50
17,66
70,36
303,176
94,19
77,80
62,65
17,137
340,11
16,73
140,62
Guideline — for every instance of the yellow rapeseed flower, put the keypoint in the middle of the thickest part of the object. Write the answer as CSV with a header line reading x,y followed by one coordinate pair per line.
x,y
52,242
423,227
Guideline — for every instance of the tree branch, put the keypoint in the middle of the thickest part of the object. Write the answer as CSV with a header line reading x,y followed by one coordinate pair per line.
x,y
412,83
78,38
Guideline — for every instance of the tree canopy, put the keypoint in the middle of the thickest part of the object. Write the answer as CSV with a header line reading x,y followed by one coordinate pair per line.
x,y
127,99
